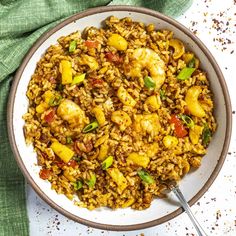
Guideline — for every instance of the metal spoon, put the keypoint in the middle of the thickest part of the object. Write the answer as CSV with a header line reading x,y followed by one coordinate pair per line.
x,y
175,189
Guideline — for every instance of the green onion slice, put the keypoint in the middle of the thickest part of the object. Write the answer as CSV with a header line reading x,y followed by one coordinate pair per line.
x,y
59,87
72,46
187,120
206,135
191,63
69,140
91,182
78,79
149,82
145,177
77,158
185,73
107,162
162,94
90,127
55,100
78,185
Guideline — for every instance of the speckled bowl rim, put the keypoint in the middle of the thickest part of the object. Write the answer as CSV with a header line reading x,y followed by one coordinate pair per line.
x,y
12,99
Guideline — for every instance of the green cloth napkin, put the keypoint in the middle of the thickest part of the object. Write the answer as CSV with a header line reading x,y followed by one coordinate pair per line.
x,y
21,23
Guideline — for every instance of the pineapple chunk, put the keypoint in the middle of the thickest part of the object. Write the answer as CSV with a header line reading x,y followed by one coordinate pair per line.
x,y
140,160
99,114
118,178
62,151
66,72
195,133
103,151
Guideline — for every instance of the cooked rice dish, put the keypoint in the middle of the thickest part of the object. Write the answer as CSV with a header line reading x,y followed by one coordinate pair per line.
x,y
116,113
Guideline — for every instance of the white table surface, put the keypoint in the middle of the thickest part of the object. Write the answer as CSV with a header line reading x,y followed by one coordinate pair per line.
x,y
216,210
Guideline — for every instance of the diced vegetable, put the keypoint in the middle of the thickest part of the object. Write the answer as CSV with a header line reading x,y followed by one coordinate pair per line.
x,y
180,130
66,72
195,133
49,117
125,97
128,203
149,82
78,185
193,104
78,79
99,114
145,177
91,44
60,87
55,100
191,63
178,48
103,151
187,120
90,127
69,175
170,141
185,73
107,162
118,42
115,58
118,178
92,181
77,158
206,135
62,151
187,57
44,174
73,163
72,46
42,107
162,94
47,96
69,140
153,102
138,159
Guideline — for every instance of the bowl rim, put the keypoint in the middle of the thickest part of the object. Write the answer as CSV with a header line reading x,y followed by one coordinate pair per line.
x,y
17,78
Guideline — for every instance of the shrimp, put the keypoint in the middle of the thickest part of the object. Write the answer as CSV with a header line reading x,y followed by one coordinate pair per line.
x,y
72,113
149,59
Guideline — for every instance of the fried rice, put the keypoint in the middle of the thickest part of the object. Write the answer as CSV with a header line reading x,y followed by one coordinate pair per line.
x,y
117,112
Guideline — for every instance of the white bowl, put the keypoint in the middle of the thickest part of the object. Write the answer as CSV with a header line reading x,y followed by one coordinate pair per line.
x,y
193,186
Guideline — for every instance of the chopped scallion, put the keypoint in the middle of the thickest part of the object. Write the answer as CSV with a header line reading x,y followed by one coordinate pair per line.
x,y
72,46
91,182
191,63
149,82
69,140
206,135
90,127
185,73
162,94
145,177
78,79
78,185
107,162
187,120
55,100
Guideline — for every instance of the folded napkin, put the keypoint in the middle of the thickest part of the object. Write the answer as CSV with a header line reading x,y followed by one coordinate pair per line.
x,y
21,23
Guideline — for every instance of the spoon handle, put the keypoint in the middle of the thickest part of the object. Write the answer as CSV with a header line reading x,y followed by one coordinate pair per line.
x,y
187,209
